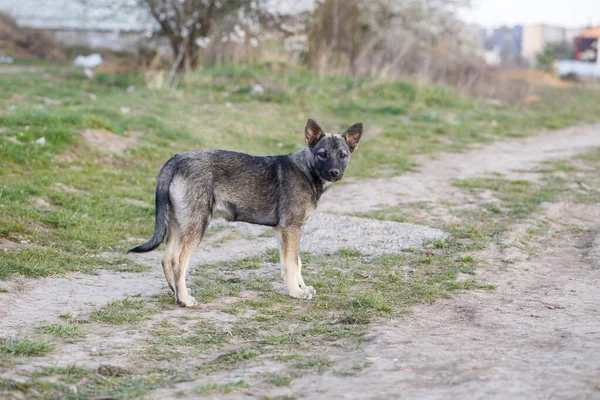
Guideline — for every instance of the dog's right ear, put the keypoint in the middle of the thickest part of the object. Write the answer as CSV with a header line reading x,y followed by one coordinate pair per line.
x,y
313,132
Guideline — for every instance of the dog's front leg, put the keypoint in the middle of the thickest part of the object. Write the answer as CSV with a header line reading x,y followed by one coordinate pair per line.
x,y
289,242
301,281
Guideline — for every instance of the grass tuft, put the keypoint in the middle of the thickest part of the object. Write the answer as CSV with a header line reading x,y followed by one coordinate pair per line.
x,y
24,347
124,311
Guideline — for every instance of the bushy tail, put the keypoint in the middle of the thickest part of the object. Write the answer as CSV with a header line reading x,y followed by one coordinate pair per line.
x,y
162,201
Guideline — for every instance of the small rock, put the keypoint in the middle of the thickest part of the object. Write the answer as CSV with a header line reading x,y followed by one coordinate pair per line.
x,y
52,102
131,89
88,62
92,97
89,73
125,110
494,102
111,370
257,89
41,141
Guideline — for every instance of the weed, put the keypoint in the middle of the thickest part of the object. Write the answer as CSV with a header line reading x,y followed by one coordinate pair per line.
x,y
101,383
221,388
63,330
123,311
279,379
24,347
228,360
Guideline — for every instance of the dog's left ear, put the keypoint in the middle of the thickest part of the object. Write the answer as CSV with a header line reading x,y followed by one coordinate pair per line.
x,y
352,135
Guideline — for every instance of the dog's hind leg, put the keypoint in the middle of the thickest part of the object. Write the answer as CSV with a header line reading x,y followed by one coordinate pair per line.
x,y
172,251
189,243
289,244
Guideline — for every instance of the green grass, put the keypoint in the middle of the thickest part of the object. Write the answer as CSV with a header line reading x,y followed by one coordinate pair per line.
x,y
35,262
278,379
24,347
518,198
221,387
124,311
229,360
63,330
105,382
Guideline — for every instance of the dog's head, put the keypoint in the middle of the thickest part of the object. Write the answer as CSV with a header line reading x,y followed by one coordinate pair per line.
x,y
331,151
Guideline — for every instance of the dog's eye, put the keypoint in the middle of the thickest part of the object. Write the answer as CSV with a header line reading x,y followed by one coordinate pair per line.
x,y
343,155
322,156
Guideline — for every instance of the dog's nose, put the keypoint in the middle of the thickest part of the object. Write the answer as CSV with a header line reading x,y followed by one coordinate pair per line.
x,y
334,173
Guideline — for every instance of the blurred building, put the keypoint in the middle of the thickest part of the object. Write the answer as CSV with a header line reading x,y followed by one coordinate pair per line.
x,y
587,59
503,45
586,45
92,24
537,37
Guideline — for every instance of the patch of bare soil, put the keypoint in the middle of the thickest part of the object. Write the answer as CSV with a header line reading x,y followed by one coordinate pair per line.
x,y
6,244
108,142
41,203
28,43
17,69
533,76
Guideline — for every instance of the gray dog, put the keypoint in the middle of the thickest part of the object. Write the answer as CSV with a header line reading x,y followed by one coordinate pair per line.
x,y
280,191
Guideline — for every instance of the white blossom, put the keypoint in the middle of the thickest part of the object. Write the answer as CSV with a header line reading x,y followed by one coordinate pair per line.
x,y
203,42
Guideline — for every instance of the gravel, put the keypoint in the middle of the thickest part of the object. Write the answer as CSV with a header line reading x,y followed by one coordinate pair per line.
x,y
326,232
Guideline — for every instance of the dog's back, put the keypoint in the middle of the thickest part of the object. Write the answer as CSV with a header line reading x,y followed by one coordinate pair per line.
x,y
237,186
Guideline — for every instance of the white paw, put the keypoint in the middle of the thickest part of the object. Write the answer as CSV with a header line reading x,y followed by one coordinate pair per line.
x,y
310,289
298,293
188,302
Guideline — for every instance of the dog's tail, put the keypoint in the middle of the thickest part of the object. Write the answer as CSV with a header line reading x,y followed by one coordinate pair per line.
x,y
163,182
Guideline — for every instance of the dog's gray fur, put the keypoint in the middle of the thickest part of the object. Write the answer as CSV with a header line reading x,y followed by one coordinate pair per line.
x,y
279,191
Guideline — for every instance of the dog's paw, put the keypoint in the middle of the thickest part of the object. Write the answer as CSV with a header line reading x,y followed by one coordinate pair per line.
x,y
298,293
310,289
189,302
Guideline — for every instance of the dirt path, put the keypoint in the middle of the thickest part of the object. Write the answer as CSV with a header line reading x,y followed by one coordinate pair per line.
x,y
433,180
536,336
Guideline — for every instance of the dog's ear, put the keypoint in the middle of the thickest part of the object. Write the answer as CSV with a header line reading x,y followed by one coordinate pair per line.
x,y
313,132
352,135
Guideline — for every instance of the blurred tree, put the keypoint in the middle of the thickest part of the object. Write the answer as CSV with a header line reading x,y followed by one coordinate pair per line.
x,y
545,59
552,52
358,34
188,24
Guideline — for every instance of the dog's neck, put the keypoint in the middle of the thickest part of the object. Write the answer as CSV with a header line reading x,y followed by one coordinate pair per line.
x,y
303,161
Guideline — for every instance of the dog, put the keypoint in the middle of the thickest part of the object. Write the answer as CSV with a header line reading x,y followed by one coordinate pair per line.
x,y
277,191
